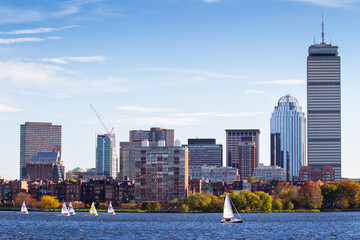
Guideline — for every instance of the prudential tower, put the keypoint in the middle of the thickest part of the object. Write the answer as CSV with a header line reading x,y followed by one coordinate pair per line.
x,y
324,107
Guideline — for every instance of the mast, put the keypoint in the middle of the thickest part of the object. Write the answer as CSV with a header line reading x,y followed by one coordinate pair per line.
x,y
322,29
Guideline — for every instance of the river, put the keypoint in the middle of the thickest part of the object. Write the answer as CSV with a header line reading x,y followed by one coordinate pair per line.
x,y
50,225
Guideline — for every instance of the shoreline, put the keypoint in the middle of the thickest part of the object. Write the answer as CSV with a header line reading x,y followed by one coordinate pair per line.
x,y
15,209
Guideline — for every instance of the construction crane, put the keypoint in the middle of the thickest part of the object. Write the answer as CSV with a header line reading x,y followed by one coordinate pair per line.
x,y
112,129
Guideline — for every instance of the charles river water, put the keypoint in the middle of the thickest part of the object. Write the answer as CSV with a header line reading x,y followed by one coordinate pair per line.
x,y
50,225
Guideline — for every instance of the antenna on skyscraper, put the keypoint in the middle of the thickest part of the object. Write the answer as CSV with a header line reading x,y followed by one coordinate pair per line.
x,y
322,32
314,40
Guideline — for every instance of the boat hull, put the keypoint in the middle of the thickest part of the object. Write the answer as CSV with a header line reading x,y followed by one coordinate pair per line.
x,y
231,221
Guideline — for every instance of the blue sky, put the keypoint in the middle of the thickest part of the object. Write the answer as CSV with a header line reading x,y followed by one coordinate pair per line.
x,y
197,66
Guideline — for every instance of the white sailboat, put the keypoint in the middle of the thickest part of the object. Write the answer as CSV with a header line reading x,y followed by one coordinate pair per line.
x,y
71,210
64,211
110,209
228,215
93,211
24,209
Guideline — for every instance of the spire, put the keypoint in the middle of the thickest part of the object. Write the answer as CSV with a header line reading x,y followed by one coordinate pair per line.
x,y
322,32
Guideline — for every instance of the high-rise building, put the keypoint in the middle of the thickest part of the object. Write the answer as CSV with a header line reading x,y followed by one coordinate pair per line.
x,y
46,166
37,137
288,121
127,149
154,135
242,155
161,173
106,154
204,151
324,107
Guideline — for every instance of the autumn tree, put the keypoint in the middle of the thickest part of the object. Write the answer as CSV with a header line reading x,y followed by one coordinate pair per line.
x,y
199,201
349,194
49,202
265,201
310,196
277,205
285,192
21,197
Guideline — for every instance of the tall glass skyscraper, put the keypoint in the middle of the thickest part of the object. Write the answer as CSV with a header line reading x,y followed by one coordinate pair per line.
x,y
324,107
288,124
106,155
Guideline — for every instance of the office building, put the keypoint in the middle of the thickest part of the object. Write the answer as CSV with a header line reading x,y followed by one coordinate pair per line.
x,y
46,166
127,149
204,151
325,174
214,173
269,173
288,134
161,173
154,135
37,137
324,107
106,155
242,150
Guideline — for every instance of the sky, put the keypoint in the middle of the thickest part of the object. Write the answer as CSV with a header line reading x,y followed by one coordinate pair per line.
x,y
196,66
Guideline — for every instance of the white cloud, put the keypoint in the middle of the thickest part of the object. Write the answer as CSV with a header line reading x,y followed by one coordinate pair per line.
x,y
256,92
26,39
216,114
330,3
8,108
30,74
15,15
281,82
145,109
38,30
163,121
66,60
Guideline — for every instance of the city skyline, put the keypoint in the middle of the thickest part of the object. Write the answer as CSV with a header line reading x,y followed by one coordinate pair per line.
x,y
198,67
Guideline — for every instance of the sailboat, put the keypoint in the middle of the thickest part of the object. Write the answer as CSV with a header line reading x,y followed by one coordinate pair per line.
x,y
110,209
24,209
71,210
228,215
64,211
93,211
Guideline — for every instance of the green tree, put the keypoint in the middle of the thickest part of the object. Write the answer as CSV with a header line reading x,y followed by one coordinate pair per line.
x,y
49,202
151,206
277,205
265,202
199,201
330,192
310,196
289,206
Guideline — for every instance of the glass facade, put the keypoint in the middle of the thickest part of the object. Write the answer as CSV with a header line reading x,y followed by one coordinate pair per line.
x,y
288,121
106,155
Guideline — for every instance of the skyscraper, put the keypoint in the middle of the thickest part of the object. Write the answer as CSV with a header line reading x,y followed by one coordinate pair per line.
x,y
288,129
37,137
106,154
324,107
233,156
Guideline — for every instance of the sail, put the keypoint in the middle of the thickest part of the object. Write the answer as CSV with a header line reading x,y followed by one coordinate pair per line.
x,y
110,209
64,210
93,209
71,209
228,213
23,208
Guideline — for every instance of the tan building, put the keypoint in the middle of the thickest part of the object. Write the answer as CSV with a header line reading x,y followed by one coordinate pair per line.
x,y
161,173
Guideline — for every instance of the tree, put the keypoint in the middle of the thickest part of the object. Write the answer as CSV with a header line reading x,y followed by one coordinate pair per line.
x,y
265,202
151,206
21,197
310,196
285,192
277,205
289,206
199,201
330,192
49,202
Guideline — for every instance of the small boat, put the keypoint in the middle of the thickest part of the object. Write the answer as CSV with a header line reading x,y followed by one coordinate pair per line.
x,y
64,210
228,215
93,211
24,209
71,210
110,209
